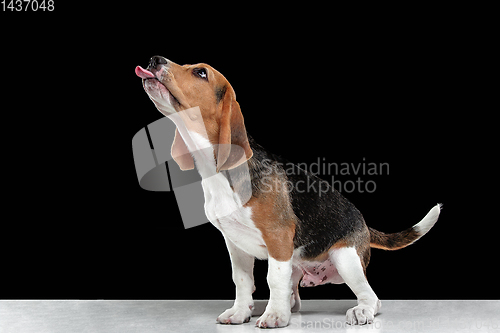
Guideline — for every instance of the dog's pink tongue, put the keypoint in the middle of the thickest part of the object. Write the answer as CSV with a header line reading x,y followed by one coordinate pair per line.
x,y
143,73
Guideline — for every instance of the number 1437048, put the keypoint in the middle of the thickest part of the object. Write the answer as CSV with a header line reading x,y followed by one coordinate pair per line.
x,y
28,5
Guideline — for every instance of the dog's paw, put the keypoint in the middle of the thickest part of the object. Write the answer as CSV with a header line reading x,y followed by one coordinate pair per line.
x,y
235,315
360,315
273,319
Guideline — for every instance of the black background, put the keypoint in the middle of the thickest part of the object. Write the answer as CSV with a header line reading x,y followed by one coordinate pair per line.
x,y
345,84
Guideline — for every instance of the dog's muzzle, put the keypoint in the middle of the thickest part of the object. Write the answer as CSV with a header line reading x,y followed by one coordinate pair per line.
x,y
154,62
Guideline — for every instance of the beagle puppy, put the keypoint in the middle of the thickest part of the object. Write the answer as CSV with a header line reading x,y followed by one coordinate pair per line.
x,y
308,235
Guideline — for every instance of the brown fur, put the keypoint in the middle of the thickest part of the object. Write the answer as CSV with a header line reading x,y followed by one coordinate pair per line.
x,y
223,121
273,216
395,241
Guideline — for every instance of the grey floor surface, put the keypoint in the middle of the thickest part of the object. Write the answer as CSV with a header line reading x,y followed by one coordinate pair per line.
x,y
199,316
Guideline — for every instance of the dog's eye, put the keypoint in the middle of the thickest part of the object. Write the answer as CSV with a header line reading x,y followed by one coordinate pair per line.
x,y
201,72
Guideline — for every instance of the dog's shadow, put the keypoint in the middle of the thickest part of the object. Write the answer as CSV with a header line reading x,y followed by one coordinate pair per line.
x,y
315,308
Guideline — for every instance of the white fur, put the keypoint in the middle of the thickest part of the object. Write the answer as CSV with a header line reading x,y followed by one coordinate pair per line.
x,y
242,264
223,208
159,94
278,310
348,264
428,221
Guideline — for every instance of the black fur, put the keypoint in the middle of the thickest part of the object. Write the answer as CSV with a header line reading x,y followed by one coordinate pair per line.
x,y
323,215
219,93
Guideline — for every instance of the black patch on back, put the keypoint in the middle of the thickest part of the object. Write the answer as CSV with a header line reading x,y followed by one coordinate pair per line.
x,y
322,219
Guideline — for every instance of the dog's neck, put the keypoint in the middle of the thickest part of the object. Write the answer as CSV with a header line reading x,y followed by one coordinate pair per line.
x,y
200,148
237,180
203,154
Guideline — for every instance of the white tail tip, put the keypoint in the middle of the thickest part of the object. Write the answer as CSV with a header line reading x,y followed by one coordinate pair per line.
x,y
428,221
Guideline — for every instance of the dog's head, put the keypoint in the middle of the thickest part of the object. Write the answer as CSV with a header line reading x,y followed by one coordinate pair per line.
x,y
174,88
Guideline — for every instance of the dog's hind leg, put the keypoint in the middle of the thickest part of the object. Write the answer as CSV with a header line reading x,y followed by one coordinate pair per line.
x,y
349,266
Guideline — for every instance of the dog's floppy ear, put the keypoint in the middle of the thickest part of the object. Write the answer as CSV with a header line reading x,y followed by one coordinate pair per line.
x,y
180,153
233,148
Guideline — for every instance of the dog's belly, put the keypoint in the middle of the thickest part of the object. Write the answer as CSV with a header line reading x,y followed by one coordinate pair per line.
x,y
317,273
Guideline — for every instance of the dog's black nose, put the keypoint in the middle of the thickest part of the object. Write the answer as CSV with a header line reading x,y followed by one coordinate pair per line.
x,y
157,60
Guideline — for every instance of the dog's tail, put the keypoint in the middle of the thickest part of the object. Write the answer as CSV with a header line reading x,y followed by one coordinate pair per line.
x,y
399,240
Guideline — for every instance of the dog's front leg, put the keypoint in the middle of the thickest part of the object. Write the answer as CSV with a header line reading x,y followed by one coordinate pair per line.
x,y
279,278
242,264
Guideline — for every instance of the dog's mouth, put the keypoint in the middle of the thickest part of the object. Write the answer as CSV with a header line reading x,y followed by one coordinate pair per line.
x,y
159,93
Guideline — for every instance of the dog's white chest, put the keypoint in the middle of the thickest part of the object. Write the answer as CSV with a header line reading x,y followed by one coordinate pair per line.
x,y
224,209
